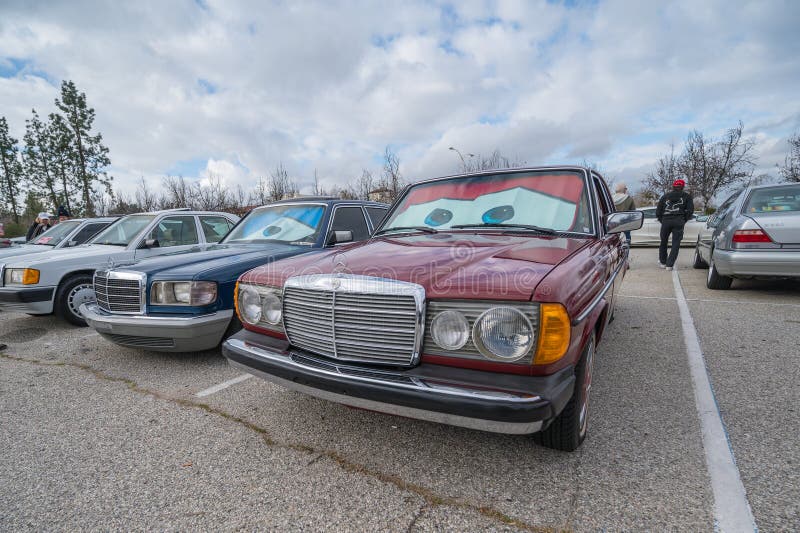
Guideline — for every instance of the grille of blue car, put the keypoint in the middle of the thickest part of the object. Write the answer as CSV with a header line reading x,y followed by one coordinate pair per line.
x,y
368,327
117,294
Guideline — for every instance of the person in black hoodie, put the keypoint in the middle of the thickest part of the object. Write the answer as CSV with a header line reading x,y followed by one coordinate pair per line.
x,y
674,210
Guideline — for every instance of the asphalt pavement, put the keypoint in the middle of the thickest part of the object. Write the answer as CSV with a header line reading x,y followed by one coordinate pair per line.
x,y
95,436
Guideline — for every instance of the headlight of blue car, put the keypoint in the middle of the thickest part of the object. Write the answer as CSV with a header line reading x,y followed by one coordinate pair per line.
x,y
192,293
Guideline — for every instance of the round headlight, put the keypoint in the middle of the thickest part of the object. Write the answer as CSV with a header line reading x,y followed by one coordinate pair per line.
x,y
450,330
503,334
249,305
271,308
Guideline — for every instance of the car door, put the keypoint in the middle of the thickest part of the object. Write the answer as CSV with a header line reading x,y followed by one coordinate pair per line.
x,y
610,254
170,234
707,232
349,218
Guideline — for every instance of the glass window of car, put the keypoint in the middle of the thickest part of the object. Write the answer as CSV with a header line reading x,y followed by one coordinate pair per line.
x,y
376,214
87,232
123,231
57,233
292,223
175,231
350,218
215,228
550,199
774,200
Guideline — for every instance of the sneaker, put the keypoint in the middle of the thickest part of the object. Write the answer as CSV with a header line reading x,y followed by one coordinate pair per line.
x,y
668,268
661,265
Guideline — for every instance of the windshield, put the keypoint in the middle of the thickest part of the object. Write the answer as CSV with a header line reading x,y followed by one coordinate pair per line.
x,y
774,200
293,223
57,233
547,199
123,231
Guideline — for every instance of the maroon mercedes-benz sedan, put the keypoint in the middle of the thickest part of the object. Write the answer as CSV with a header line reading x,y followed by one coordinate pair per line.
x,y
478,302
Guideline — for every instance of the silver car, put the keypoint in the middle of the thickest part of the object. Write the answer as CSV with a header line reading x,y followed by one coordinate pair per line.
x,y
755,233
61,281
65,234
650,232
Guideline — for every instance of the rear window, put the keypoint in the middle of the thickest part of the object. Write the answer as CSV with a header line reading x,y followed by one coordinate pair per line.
x,y
774,200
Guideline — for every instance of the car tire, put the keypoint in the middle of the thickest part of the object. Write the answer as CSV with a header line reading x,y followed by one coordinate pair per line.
x,y
715,280
234,327
70,295
569,429
697,260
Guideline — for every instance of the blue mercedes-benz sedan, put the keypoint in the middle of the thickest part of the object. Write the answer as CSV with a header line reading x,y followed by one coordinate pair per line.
x,y
184,301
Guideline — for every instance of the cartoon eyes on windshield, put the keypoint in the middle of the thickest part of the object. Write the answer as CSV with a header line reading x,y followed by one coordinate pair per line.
x,y
438,216
270,231
498,214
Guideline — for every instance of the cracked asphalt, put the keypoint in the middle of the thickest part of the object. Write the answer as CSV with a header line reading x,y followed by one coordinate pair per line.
x,y
95,436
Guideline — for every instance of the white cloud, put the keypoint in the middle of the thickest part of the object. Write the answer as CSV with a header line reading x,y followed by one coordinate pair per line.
x,y
327,86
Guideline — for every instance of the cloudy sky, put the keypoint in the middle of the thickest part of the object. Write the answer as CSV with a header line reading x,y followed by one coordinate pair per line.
x,y
192,87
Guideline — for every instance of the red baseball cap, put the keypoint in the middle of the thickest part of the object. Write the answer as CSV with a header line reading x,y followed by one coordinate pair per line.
x,y
679,183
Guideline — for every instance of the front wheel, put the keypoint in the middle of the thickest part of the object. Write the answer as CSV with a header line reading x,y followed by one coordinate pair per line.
x,y
74,292
569,428
715,280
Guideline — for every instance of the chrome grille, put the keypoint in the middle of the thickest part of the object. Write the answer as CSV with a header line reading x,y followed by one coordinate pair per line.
x,y
355,318
471,309
119,292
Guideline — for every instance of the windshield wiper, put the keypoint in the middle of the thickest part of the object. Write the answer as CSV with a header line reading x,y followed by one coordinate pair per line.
x,y
538,229
423,229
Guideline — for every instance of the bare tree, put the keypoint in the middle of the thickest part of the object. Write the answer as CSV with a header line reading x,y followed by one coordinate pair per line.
x,y
260,194
177,193
790,171
391,178
145,198
660,179
710,166
280,186
494,161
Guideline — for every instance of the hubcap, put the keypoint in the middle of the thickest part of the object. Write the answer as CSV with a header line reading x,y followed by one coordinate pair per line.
x,y
586,388
81,294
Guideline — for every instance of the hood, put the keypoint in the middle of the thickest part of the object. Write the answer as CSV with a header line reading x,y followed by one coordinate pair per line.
x,y
221,260
447,265
87,253
23,249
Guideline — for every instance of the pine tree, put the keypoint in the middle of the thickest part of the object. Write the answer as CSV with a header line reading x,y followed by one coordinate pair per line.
x,y
38,158
11,169
59,142
90,155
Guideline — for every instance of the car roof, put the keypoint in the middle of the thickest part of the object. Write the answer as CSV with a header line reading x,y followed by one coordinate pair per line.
x,y
576,168
771,186
180,211
329,200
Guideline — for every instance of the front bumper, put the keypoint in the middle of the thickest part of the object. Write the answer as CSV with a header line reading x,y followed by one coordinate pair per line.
x,y
157,333
758,263
500,403
33,300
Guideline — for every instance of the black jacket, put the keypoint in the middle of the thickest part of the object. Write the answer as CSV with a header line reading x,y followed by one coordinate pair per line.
x,y
675,205
35,230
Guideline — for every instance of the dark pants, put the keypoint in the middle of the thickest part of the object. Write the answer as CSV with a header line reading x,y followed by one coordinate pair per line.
x,y
674,227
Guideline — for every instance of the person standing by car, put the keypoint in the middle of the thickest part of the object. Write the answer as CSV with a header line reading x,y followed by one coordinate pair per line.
x,y
39,226
674,210
623,202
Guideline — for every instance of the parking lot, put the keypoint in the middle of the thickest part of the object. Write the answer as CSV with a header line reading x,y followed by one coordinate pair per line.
x,y
98,436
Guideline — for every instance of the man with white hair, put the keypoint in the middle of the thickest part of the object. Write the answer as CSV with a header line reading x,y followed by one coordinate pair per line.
x,y
623,202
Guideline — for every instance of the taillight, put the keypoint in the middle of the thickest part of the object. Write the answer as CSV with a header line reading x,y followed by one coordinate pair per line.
x,y
750,235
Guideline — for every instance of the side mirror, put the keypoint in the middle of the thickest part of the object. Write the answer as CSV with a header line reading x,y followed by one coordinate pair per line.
x,y
70,244
149,243
624,221
340,236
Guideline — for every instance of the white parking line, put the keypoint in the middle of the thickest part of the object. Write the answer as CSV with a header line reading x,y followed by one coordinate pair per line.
x,y
731,509
223,385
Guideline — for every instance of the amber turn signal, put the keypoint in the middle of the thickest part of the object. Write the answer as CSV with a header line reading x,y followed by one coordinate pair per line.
x,y
236,300
554,334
